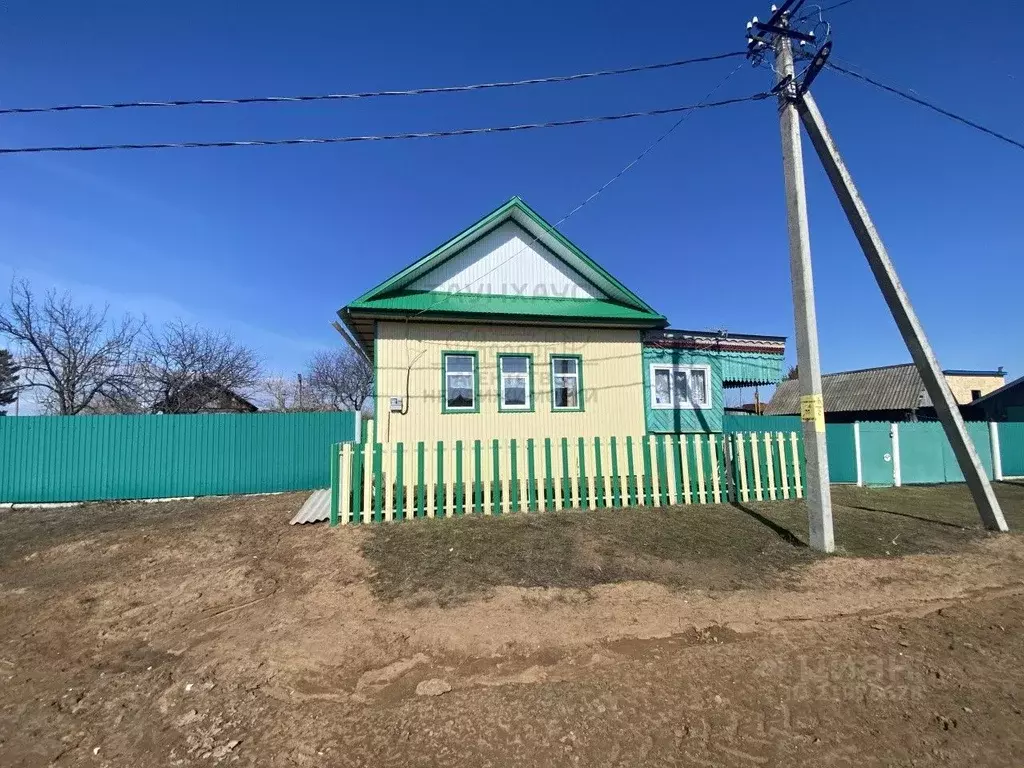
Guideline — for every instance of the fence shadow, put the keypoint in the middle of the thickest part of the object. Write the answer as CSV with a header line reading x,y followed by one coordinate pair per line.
x,y
783,533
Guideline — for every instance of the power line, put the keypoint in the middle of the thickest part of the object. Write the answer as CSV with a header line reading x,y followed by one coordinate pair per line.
x,y
703,103
819,10
924,103
369,94
382,137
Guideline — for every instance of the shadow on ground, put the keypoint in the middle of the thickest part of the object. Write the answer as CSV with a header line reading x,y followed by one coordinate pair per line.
x,y
720,547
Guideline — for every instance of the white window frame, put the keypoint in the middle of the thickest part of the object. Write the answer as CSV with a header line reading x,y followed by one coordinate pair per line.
x,y
526,376
579,379
472,388
689,405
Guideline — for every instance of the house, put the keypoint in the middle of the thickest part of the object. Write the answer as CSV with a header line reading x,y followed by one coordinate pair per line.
x,y
204,395
887,393
1003,404
509,330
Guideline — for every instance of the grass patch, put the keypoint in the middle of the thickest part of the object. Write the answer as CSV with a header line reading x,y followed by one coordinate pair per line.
x,y
698,547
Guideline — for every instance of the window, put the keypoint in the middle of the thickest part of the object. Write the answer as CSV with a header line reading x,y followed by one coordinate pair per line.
x,y
975,394
459,382
515,382
680,386
566,383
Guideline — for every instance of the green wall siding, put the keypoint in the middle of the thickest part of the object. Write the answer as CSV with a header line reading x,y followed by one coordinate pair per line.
x,y
684,420
92,458
725,366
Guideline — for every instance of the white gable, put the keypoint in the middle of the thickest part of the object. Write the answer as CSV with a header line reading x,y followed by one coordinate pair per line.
x,y
507,262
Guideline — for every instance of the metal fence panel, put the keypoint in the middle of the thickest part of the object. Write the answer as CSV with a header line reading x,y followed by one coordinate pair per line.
x,y
1011,444
92,458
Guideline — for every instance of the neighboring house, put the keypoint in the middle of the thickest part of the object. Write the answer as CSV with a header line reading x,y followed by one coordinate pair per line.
x,y
204,395
1003,404
886,393
509,330
968,386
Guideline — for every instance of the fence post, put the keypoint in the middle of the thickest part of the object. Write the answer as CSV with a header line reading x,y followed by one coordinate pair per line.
x,y
997,457
897,472
856,452
335,491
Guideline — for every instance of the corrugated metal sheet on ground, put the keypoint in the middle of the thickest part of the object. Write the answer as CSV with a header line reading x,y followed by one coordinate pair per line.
x,y
315,509
95,458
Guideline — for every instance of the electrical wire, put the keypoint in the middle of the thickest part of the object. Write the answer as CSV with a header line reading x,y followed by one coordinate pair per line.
x,y
819,10
702,104
922,102
369,94
687,108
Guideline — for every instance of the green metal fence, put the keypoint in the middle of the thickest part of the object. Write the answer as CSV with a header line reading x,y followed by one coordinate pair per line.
x,y
1011,443
926,456
91,458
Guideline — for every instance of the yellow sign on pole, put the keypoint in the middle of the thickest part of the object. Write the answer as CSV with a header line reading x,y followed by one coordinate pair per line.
x,y
812,408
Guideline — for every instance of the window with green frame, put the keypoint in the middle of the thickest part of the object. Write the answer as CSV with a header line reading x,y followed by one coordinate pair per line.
x,y
515,382
566,383
459,384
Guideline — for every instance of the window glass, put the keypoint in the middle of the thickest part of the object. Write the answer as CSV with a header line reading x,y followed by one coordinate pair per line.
x,y
515,371
459,381
565,382
662,386
699,385
680,391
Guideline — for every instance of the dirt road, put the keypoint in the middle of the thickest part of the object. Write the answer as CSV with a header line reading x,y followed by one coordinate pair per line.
x,y
208,632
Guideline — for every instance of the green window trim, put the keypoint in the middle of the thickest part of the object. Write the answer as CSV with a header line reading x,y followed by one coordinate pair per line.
x,y
531,401
445,354
579,383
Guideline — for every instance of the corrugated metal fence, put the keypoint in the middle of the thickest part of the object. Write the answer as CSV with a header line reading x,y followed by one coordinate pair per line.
x,y
1011,441
91,458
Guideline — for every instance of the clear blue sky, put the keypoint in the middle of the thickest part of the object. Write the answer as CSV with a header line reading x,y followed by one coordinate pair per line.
x,y
270,242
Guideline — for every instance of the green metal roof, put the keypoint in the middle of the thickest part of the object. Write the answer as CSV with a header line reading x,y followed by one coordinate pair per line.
x,y
483,305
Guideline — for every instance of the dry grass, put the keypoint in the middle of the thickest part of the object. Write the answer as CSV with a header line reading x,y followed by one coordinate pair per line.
x,y
699,547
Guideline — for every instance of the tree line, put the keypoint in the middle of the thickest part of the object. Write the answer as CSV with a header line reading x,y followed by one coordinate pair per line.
x,y
76,359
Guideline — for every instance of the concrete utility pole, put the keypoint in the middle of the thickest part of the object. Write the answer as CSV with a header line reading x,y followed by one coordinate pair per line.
x,y
902,312
812,407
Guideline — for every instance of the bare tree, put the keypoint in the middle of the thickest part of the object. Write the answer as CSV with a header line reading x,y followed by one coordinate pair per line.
x,y
281,394
340,379
181,357
70,353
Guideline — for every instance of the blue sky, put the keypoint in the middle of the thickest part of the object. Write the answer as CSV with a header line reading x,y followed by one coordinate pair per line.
x,y
269,243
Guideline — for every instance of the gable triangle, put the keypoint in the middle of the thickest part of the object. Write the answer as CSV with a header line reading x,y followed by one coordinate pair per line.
x,y
507,261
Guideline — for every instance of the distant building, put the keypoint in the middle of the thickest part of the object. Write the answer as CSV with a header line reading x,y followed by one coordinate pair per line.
x,y
204,395
886,393
1003,404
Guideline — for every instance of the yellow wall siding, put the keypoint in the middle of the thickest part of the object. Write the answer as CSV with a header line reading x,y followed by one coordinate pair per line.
x,y
613,391
961,386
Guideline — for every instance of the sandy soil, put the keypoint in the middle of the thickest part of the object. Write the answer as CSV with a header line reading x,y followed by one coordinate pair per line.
x,y
209,631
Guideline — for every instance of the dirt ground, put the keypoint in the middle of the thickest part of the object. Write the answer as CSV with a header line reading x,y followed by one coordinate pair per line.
x,y
210,631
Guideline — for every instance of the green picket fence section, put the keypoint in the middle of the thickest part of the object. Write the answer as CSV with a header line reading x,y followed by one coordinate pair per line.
x,y
95,458
376,482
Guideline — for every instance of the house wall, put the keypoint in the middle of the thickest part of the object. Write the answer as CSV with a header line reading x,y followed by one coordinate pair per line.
x,y
961,386
408,365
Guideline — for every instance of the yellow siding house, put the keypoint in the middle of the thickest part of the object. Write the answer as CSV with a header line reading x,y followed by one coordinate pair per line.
x,y
507,330
510,331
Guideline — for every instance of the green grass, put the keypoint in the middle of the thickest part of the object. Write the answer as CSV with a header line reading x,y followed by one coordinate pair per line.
x,y
697,547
